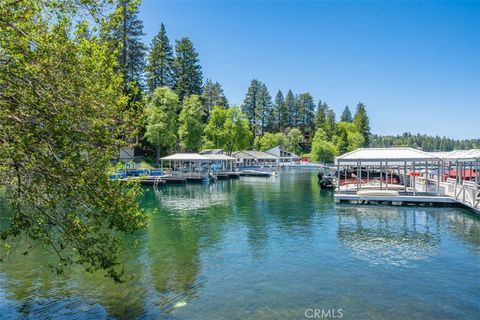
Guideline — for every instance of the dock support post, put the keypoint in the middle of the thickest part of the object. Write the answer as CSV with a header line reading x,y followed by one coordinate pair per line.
x,y
386,175
414,179
438,176
358,176
426,176
476,170
338,178
381,176
460,172
405,176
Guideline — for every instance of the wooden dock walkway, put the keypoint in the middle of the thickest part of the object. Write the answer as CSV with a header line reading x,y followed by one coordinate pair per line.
x,y
393,199
449,193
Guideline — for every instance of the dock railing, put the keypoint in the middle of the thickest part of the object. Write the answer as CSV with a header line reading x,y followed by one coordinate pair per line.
x,y
468,192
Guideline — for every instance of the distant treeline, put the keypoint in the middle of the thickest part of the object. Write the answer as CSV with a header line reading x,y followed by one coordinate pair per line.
x,y
424,142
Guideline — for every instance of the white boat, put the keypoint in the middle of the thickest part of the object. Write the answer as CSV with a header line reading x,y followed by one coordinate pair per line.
x,y
257,173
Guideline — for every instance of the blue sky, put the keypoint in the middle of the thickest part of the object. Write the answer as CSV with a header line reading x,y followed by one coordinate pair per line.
x,y
416,65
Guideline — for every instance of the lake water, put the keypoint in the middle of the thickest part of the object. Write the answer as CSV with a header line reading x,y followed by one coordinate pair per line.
x,y
267,248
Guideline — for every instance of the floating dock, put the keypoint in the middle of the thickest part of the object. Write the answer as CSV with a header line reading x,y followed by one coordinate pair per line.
x,y
234,175
222,175
401,199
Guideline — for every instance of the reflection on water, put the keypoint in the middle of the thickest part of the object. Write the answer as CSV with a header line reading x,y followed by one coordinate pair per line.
x,y
191,197
386,235
259,248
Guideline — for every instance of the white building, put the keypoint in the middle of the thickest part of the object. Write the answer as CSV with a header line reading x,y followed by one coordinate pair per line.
x,y
283,155
254,158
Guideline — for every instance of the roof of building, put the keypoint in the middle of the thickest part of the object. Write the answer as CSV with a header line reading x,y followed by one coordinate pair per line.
x,y
185,157
218,156
211,151
439,154
468,155
276,151
385,154
253,154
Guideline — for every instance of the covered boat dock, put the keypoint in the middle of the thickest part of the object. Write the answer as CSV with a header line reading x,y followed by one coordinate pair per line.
x,y
406,175
198,167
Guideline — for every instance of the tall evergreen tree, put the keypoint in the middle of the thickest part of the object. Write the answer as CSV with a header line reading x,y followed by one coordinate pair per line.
x,y
127,34
306,111
281,112
362,122
272,121
321,115
290,104
265,110
251,105
188,72
213,96
346,115
159,69
330,124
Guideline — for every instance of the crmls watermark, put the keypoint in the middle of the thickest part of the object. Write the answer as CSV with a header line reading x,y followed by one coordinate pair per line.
x,y
323,313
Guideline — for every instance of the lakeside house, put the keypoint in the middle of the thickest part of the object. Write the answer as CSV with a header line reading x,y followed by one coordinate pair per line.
x,y
211,151
255,158
284,156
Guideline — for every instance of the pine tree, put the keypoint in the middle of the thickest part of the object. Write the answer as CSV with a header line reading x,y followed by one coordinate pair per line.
x,y
127,37
281,111
188,72
330,124
362,122
213,96
321,115
159,69
251,105
290,105
306,112
346,115
265,110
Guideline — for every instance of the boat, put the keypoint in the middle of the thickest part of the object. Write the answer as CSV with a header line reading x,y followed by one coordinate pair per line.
x,y
378,193
350,177
326,181
257,173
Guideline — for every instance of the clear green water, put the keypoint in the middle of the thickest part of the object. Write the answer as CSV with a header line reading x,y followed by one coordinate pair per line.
x,y
260,248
